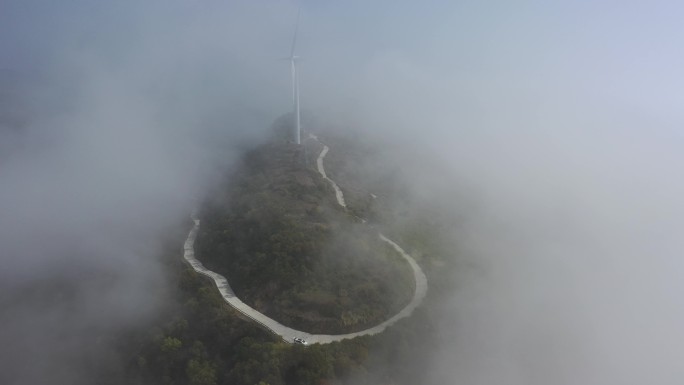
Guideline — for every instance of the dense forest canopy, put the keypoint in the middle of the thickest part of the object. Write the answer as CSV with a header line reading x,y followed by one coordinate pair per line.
x,y
292,253
276,211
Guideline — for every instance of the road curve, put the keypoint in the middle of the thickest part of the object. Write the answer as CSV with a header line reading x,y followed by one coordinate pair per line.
x,y
286,333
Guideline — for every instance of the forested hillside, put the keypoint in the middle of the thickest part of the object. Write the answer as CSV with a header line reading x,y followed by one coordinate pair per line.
x,y
200,340
292,253
275,222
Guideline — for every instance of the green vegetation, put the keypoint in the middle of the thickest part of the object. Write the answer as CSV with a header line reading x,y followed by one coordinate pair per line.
x,y
201,340
378,189
289,251
277,223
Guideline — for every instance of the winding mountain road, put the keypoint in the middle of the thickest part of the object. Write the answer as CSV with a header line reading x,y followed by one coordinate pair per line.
x,y
286,333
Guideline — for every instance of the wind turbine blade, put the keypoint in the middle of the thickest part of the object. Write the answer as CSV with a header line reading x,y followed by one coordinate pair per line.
x,y
294,39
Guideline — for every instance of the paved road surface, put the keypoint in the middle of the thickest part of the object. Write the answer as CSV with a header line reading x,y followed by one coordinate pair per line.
x,y
287,333
321,170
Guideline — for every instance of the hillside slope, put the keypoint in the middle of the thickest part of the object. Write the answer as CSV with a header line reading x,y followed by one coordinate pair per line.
x,y
290,252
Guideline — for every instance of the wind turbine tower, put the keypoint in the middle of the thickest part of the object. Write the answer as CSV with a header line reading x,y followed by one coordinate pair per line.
x,y
295,84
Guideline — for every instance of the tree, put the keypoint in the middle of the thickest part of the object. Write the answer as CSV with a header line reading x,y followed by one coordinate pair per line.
x,y
201,372
170,345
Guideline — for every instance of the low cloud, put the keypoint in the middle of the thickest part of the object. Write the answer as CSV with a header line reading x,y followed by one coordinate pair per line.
x,y
550,131
115,122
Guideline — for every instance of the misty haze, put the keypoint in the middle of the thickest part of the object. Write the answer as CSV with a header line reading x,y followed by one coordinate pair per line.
x,y
280,192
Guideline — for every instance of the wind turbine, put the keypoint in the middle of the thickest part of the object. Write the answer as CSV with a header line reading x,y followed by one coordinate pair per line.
x,y
295,83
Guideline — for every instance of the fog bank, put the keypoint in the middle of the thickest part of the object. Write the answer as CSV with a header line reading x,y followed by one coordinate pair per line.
x,y
556,136
552,131
115,121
